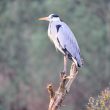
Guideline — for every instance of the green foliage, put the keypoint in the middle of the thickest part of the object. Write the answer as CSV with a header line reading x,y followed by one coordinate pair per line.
x,y
102,102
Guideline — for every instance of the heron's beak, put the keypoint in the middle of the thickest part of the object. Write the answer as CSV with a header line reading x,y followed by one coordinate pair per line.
x,y
44,18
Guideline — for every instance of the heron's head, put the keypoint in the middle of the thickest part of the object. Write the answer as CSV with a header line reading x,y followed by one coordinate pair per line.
x,y
51,17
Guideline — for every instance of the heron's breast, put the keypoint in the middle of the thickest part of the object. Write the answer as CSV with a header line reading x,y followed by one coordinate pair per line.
x,y
52,34
54,40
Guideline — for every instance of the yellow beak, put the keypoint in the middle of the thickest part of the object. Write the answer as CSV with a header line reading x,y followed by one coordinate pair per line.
x,y
44,18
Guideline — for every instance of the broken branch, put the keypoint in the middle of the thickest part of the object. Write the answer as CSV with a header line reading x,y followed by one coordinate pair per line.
x,y
56,97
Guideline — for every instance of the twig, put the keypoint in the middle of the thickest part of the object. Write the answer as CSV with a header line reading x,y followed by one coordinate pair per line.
x,y
57,97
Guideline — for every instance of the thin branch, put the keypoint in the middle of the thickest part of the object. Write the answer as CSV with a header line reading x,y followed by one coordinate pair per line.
x,y
57,97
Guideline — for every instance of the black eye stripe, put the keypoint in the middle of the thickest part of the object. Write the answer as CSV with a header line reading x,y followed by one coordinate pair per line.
x,y
55,15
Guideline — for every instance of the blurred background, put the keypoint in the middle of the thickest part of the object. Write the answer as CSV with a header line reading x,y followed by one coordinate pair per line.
x,y
28,61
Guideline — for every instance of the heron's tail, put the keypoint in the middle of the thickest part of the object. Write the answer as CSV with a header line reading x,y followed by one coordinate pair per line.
x,y
78,62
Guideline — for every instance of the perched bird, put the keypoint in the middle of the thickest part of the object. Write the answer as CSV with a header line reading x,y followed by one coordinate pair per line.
x,y
64,40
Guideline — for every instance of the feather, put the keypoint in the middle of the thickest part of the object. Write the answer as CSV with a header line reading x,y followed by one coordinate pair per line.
x,y
64,39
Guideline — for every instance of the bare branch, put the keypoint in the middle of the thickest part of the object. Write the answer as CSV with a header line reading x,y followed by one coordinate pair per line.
x,y
57,97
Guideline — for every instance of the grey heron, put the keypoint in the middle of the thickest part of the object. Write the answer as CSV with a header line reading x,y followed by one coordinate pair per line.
x,y
64,40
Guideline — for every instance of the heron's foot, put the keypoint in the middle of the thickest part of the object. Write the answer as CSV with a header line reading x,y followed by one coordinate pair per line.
x,y
69,77
62,74
64,70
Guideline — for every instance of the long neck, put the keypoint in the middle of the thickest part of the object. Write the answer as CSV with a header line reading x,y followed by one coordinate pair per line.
x,y
55,19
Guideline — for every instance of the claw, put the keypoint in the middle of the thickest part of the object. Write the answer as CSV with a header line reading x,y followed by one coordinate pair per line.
x,y
69,77
62,74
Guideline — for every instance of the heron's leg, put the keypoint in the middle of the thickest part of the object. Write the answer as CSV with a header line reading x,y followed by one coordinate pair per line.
x,y
64,68
65,64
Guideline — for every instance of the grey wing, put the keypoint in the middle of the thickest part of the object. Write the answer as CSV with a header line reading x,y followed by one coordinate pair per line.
x,y
68,42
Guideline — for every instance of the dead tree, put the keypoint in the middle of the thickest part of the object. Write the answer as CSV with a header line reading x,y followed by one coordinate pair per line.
x,y
56,97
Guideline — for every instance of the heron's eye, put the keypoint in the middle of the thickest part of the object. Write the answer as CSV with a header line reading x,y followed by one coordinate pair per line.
x,y
51,17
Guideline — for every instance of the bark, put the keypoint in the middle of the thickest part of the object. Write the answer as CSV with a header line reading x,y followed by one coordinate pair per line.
x,y
56,97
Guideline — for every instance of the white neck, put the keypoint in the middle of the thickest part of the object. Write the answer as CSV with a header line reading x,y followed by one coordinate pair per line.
x,y
55,19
